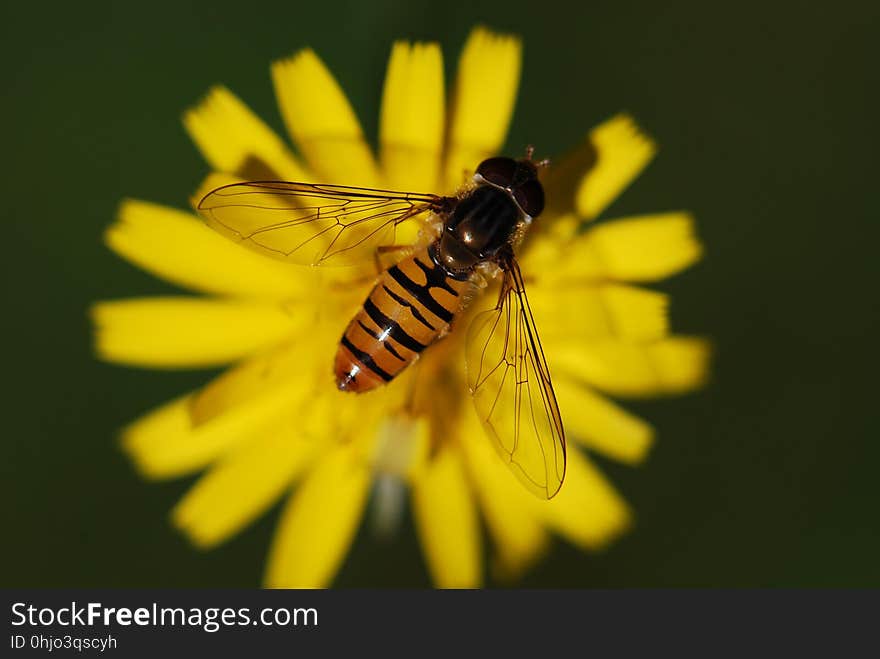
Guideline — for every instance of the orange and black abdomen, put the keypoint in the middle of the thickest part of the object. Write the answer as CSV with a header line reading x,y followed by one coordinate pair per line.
x,y
410,307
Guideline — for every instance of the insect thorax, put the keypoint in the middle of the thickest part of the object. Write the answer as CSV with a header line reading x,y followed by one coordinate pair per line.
x,y
481,224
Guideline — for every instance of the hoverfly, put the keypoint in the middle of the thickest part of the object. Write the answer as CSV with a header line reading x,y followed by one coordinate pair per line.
x,y
471,238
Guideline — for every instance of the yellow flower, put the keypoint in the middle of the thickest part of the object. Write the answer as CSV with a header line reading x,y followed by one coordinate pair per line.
x,y
274,424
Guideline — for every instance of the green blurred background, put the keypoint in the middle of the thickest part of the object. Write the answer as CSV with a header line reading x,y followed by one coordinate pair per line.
x,y
766,117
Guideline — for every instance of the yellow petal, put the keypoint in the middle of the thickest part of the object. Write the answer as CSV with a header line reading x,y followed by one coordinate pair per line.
x,y
600,425
165,443
482,103
249,380
243,485
233,139
519,539
412,120
402,445
446,521
587,312
669,366
642,248
547,242
648,247
587,510
304,362
211,182
319,522
182,332
179,248
622,152
321,122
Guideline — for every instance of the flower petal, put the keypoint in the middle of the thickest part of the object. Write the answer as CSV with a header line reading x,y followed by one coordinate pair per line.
x,y
304,361
598,424
247,381
642,248
587,312
179,248
545,245
402,445
519,539
587,511
319,522
483,101
669,366
447,523
167,332
621,153
321,121
166,443
233,139
412,120
242,486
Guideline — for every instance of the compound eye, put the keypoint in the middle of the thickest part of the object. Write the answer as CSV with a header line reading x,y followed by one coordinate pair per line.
x,y
498,171
530,197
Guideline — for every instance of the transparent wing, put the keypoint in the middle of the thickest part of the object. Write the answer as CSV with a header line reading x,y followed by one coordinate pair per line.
x,y
312,224
511,388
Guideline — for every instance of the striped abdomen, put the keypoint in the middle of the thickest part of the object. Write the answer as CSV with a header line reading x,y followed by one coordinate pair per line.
x,y
410,307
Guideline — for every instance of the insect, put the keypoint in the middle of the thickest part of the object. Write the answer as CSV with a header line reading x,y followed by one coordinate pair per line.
x,y
470,240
